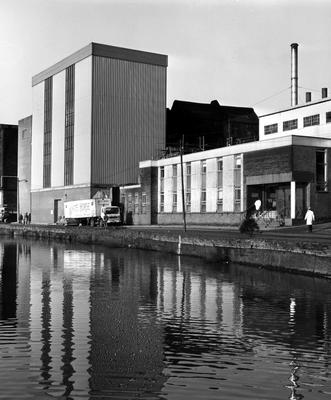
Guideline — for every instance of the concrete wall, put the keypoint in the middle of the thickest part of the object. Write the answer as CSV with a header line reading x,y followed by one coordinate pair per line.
x,y
37,150
82,129
224,218
24,164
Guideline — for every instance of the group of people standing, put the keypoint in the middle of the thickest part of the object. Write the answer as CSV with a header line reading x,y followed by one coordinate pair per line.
x,y
25,219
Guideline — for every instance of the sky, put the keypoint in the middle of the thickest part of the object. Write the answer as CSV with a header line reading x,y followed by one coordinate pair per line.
x,y
234,51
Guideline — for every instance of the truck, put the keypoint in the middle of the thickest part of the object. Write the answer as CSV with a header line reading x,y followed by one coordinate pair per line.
x,y
91,212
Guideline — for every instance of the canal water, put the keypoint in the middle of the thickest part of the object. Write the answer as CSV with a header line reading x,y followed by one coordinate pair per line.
x,y
99,323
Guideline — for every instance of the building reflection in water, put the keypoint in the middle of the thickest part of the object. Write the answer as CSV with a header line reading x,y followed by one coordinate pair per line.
x,y
109,323
8,281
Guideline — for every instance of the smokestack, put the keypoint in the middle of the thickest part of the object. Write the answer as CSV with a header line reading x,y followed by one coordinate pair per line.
x,y
308,97
324,92
294,74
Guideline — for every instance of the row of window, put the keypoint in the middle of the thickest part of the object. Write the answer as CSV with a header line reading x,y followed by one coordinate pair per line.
x,y
69,128
293,123
134,205
203,191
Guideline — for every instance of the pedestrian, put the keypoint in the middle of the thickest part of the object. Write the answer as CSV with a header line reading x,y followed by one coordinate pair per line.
x,y
25,220
20,218
309,218
29,218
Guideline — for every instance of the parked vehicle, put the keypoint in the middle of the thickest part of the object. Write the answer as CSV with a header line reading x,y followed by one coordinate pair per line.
x,y
6,216
91,212
111,215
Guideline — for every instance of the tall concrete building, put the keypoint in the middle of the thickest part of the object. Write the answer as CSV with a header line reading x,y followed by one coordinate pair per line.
x,y
24,165
96,114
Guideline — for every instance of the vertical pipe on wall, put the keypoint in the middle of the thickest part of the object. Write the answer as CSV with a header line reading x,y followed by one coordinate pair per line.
x,y
294,74
293,186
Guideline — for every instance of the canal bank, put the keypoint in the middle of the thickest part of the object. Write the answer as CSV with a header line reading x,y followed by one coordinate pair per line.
x,y
287,249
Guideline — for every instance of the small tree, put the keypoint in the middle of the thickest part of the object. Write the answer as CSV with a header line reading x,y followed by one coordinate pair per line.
x,y
249,225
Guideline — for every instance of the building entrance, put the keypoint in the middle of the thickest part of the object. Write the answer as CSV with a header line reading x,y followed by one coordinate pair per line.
x,y
276,199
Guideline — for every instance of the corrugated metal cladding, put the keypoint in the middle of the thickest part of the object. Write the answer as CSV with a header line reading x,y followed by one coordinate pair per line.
x,y
128,118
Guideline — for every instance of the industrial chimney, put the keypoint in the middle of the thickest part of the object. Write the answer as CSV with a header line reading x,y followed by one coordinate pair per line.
x,y
294,74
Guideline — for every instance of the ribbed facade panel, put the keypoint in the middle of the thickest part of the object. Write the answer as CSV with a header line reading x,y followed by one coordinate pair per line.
x,y
128,118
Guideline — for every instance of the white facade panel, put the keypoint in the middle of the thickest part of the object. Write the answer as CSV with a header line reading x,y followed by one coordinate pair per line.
x,y
37,136
179,189
168,188
211,185
82,127
228,183
195,186
58,129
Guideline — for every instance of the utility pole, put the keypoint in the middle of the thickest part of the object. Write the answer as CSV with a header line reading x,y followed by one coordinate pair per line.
x,y
182,178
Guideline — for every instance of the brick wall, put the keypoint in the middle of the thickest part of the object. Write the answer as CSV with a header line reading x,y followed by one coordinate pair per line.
x,y
267,162
42,202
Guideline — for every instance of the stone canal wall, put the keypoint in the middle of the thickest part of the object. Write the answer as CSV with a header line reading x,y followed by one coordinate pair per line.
x,y
295,256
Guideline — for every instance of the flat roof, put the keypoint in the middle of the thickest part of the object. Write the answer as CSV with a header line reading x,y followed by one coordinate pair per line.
x,y
266,144
102,50
311,103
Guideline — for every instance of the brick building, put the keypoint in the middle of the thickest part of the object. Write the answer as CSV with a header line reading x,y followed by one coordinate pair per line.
x,y
288,169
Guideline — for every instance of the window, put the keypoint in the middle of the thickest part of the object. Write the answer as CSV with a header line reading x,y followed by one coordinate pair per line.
x,y
237,183
289,125
162,179
174,202
136,203
321,171
188,201
270,129
130,204
203,173
69,126
188,188
237,198
203,196
328,117
219,185
47,157
162,202
311,120
161,189
143,203
203,200
174,188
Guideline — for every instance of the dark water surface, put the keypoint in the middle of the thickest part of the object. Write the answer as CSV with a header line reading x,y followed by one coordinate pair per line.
x,y
96,323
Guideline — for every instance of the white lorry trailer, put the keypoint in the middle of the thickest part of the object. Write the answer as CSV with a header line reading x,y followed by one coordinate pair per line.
x,y
91,212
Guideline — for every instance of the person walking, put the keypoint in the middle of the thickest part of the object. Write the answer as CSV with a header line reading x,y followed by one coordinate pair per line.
x,y
309,218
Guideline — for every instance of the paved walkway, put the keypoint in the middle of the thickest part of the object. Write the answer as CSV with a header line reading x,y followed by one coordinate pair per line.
x,y
321,232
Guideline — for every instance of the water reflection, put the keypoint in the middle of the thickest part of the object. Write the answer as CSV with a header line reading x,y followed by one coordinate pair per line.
x,y
125,324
